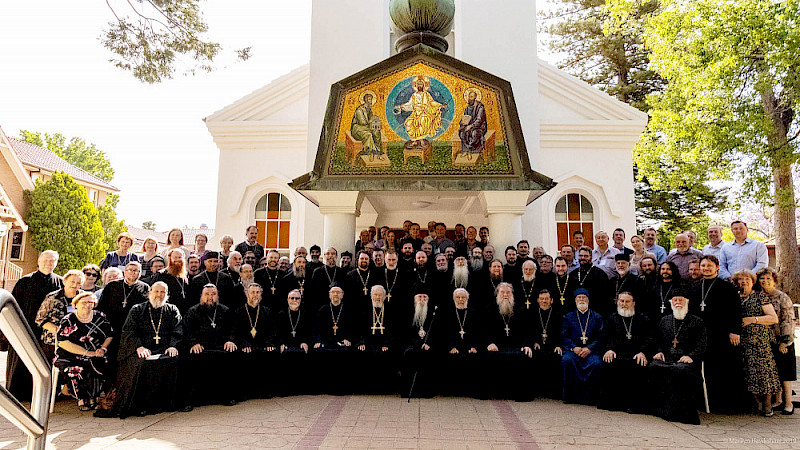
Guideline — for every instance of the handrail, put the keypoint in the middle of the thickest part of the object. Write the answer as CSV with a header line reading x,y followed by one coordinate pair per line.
x,y
23,340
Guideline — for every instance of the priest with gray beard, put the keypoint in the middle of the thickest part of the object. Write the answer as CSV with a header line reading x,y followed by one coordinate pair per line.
x,y
622,383
419,358
476,261
675,375
295,279
526,288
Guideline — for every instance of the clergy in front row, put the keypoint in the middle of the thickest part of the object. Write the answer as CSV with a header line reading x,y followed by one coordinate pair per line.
x,y
252,330
461,337
148,364
419,363
293,325
623,375
675,372
546,337
376,345
582,341
209,337
508,347
334,335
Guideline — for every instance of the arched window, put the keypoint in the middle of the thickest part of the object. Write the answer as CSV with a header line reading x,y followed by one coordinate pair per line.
x,y
574,212
273,219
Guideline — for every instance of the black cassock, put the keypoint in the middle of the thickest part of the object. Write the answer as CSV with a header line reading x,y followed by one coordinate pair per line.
x,y
268,279
546,332
419,365
623,382
224,283
508,368
252,328
177,289
212,375
293,328
717,302
594,280
462,372
148,385
333,359
655,303
290,282
119,298
628,283
29,292
355,282
562,291
376,367
321,281
677,386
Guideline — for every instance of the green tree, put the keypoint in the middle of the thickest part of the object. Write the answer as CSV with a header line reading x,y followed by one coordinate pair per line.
x,y
616,61
108,219
148,37
62,218
149,225
729,109
75,151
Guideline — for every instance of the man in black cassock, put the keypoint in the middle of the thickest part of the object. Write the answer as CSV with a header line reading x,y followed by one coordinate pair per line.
x,y
675,372
233,266
376,345
147,379
657,302
220,280
581,341
322,279
526,288
251,244
175,278
313,263
546,337
622,280
396,281
461,338
334,339
29,292
508,346
623,375
296,279
119,296
293,333
211,353
562,287
253,333
419,358
717,302
269,279
421,280
360,280
593,279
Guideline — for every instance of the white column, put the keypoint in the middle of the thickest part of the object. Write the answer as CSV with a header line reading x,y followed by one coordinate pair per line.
x,y
504,210
339,210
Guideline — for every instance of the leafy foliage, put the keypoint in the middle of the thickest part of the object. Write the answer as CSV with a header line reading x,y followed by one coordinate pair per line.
x,y
75,151
108,218
62,218
149,225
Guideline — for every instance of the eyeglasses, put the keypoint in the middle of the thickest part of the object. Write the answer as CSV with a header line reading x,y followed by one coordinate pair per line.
x,y
91,274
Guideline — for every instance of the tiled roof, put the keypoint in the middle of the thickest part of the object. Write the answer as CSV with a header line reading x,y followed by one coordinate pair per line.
x,y
140,234
36,156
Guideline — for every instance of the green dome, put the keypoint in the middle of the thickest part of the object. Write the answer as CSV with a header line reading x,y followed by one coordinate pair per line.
x,y
435,16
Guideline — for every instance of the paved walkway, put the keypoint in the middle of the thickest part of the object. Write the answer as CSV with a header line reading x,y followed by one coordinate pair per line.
x,y
391,422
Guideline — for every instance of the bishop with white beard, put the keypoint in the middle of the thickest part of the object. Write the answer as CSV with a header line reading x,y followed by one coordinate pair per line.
x,y
419,356
681,342
582,341
376,345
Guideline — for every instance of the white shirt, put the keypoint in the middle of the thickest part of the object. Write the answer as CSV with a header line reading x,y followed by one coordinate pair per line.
x,y
605,260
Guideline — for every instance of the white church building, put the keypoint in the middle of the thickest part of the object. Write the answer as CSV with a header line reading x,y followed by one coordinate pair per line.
x,y
575,135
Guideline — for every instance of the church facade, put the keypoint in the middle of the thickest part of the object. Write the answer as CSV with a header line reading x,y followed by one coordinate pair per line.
x,y
576,139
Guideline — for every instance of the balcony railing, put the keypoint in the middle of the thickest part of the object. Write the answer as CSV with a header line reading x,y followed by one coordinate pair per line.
x,y
12,271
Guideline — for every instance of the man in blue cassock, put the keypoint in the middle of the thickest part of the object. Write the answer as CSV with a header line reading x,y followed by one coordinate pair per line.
x,y
581,341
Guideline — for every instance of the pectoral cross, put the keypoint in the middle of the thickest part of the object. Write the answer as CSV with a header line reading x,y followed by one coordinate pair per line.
x,y
157,338
675,342
294,333
377,328
544,338
663,307
462,332
703,306
253,331
365,292
508,330
388,297
213,325
584,339
527,304
273,290
562,300
334,329
629,335
301,290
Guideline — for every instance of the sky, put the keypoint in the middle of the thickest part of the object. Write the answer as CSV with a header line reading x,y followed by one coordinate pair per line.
x,y
55,77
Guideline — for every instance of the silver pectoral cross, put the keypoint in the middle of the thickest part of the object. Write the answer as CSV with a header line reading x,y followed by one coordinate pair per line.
x,y
462,332
584,339
703,306
663,307
629,335
544,338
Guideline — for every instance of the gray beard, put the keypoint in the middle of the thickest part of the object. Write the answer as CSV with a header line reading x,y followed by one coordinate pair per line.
x,y
299,273
420,314
625,312
236,268
377,304
246,282
476,264
461,276
680,313
506,308
528,278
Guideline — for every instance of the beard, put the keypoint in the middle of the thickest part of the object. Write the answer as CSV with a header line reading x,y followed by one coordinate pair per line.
x,y
506,307
158,303
299,272
420,314
529,278
235,267
680,313
461,276
377,304
582,307
246,282
625,312
476,263
175,268
498,276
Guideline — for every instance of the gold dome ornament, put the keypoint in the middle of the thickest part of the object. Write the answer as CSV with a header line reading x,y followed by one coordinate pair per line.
x,y
422,22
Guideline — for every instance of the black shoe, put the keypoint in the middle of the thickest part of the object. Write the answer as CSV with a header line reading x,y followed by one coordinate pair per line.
x,y
230,402
141,413
187,408
787,413
103,413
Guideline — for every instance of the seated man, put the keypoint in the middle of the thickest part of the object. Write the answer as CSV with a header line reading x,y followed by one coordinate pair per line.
x,y
675,371
334,335
252,330
508,347
581,339
418,358
376,345
461,336
293,334
545,335
148,364
623,374
209,339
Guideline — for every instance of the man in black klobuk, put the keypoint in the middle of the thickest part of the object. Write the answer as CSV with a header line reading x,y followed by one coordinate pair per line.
x,y
253,333
419,357
508,347
334,341
675,371
376,345
147,379
546,337
623,375
211,353
293,331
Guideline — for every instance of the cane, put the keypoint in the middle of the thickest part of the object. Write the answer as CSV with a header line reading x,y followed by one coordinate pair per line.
x,y
705,389
425,341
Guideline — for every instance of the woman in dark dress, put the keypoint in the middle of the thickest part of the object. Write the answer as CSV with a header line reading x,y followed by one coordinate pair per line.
x,y
758,315
54,307
83,339
783,349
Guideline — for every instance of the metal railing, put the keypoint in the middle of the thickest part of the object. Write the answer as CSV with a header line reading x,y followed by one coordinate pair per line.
x,y
21,338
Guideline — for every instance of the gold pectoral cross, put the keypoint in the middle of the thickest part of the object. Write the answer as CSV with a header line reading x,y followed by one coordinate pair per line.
x,y
376,327
508,330
388,297
527,304
157,338
562,300
675,342
273,290
365,290
629,336
584,339
334,329
253,331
